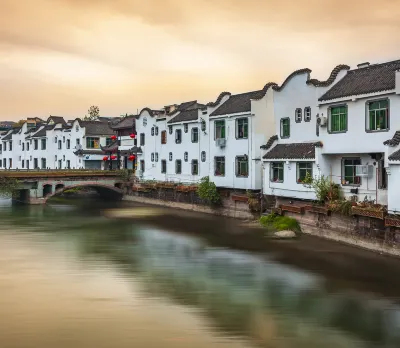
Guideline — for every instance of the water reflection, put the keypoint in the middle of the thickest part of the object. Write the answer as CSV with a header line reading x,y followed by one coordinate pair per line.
x,y
246,297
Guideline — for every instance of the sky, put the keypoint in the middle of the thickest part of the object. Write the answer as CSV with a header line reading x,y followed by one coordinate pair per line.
x,y
59,57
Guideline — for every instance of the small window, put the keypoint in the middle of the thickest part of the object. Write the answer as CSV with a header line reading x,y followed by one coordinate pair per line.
x,y
219,129
242,128
185,127
23,146
277,172
63,139
304,168
185,156
178,167
170,129
378,115
163,137
68,164
142,139
55,140
78,142
92,143
242,166
76,128
170,156
203,125
43,163
195,167
68,143
285,127
178,136
152,131
338,119
43,144
23,164
152,156
307,114
298,115
195,135
203,156
156,130
349,171
142,165
156,156
219,166
27,146
63,157
55,157
35,144
59,145
163,166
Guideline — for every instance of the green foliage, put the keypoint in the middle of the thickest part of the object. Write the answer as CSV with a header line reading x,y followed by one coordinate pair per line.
x,y
94,113
253,202
125,174
325,190
208,192
280,223
7,186
341,206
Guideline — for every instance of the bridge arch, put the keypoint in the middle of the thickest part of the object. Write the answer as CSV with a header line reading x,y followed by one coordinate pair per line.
x,y
105,191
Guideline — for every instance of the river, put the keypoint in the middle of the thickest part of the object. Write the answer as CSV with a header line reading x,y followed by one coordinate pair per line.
x,y
69,277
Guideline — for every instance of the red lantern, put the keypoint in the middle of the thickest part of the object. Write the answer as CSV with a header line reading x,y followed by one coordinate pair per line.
x,y
131,157
105,158
113,157
133,136
113,137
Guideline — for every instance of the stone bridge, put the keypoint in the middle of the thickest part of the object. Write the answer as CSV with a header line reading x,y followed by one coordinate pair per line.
x,y
36,187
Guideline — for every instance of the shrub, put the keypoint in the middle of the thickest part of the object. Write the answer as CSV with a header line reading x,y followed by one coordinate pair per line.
x,y
208,192
280,223
8,186
253,202
325,190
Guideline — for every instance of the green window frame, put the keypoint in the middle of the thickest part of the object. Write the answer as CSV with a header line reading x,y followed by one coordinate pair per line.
x,y
219,129
378,115
195,135
242,128
349,171
285,127
92,143
277,172
304,168
163,166
242,166
195,167
338,119
178,166
219,166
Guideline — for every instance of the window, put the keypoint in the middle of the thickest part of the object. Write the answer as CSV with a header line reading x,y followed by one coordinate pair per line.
x,y
338,119
178,166
152,156
10,163
307,114
285,127
163,137
163,166
156,156
43,144
4,163
304,168
185,156
63,157
23,164
142,138
92,143
242,166
69,143
170,156
156,129
63,139
142,165
152,131
349,171
378,115
27,164
78,142
76,128
10,146
382,175
108,142
19,158
59,145
23,146
20,142
242,128
27,146
219,129
276,172
195,135
170,129
68,164
59,164
35,144
219,166
178,136
195,167
203,156
43,163
35,163
185,127
55,157
203,125
297,115
55,140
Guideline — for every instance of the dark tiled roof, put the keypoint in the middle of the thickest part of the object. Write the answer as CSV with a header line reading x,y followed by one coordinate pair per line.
x,y
96,128
185,116
89,152
237,103
57,119
395,156
42,132
269,142
8,136
121,123
336,70
223,94
293,151
371,79
113,147
394,141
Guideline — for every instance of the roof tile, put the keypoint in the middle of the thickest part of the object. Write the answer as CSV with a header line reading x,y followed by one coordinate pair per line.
x,y
293,151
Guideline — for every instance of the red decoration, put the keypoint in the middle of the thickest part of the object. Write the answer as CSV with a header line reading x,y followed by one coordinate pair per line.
x,y
113,157
105,158
113,137
131,157
133,136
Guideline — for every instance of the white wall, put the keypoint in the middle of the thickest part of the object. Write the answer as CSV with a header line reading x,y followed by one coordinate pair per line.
x,y
394,192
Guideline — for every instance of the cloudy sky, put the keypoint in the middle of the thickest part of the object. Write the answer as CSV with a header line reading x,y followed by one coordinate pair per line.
x,y
61,56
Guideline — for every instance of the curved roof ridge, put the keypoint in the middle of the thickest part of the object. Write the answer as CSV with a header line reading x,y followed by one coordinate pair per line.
x,y
218,100
290,76
334,73
264,90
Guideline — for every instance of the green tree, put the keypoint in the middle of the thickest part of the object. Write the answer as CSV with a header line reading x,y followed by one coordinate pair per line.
x,y
94,113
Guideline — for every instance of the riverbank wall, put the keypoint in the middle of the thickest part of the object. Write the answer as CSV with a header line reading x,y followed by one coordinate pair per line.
x,y
363,232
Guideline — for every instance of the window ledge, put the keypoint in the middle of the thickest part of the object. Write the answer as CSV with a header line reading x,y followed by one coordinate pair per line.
x,y
339,132
277,182
377,131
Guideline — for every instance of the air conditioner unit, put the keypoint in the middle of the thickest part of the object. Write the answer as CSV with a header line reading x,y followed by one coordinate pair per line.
x,y
321,121
220,142
364,170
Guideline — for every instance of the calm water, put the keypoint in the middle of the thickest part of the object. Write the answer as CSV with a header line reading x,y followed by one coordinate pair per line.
x,y
72,278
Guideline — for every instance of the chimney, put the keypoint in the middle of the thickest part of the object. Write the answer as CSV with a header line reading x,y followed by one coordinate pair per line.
x,y
362,65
